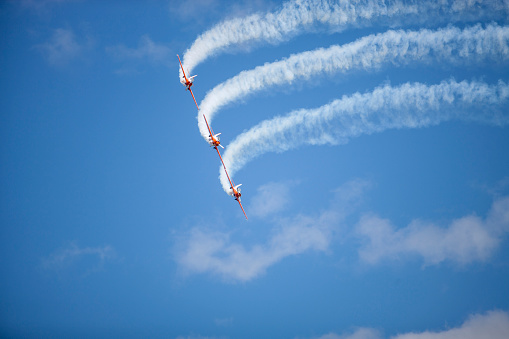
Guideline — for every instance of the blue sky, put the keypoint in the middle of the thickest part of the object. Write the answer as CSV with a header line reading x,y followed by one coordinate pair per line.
x,y
371,139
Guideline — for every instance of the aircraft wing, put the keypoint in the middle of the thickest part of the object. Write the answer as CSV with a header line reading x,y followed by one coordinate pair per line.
x,y
190,90
242,208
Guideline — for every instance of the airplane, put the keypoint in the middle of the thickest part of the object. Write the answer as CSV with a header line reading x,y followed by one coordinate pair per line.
x,y
213,138
188,82
234,190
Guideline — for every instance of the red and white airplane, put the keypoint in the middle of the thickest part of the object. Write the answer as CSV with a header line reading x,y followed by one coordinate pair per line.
x,y
188,82
213,138
235,191
214,142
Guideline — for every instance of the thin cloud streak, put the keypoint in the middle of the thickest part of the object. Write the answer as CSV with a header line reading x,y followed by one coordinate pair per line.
x,y
66,256
451,44
407,106
63,47
147,49
41,7
465,240
361,333
270,199
300,16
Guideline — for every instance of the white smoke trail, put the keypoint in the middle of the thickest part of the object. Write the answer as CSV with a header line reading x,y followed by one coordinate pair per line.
x,y
449,44
407,106
303,15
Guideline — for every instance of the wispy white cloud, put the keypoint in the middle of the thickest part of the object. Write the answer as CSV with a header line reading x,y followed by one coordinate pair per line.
x,y
199,12
215,252
71,254
270,199
295,17
147,50
203,251
451,45
361,333
192,10
41,7
40,3
224,322
63,47
497,189
407,106
465,240
493,325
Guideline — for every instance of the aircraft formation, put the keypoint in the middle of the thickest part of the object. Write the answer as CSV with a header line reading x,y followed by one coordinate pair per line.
x,y
213,139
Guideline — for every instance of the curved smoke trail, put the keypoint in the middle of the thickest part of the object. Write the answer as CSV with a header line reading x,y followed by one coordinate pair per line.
x,y
298,16
399,47
407,106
